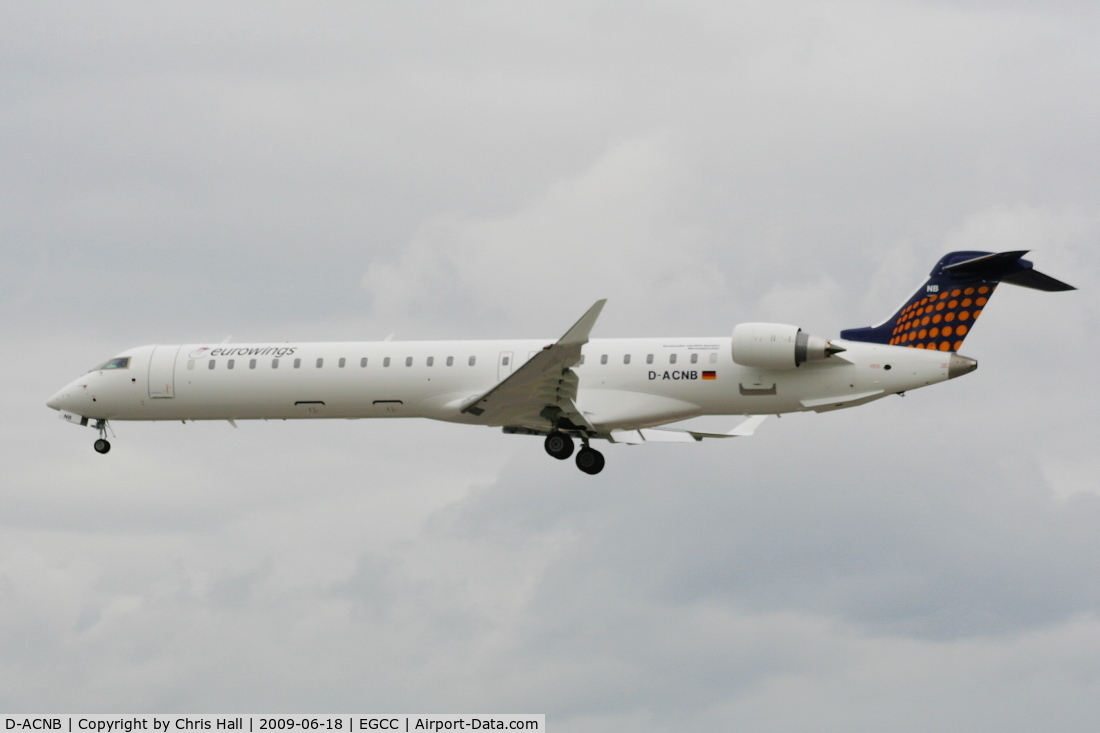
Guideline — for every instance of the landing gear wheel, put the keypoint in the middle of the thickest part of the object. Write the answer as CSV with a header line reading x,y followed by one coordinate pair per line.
x,y
590,460
559,445
102,446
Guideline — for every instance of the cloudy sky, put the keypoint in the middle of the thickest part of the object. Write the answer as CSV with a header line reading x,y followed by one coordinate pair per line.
x,y
182,172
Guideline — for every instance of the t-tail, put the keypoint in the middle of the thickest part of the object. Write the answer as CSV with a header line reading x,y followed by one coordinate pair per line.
x,y
943,310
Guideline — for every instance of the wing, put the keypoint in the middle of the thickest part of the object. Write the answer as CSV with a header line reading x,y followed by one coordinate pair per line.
x,y
677,435
543,390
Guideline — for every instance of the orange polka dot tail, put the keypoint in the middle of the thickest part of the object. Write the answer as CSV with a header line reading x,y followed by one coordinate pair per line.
x,y
944,309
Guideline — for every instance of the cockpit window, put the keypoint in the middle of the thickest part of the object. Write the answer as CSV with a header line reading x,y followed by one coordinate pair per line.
x,y
122,362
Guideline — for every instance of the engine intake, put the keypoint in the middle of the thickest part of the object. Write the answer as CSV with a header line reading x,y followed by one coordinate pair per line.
x,y
778,346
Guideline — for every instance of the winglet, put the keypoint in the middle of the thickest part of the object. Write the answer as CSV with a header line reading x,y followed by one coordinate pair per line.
x,y
578,334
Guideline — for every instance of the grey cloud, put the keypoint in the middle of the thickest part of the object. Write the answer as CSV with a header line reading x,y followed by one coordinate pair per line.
x,y
910,547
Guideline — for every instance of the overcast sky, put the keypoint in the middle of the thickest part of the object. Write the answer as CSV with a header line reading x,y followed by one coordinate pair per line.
x,y
182,172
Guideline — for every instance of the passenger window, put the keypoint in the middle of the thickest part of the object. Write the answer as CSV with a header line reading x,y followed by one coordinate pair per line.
x,y
649,358
274,363
714,357
506,360
229,364
190,363
320,363
472,360
210,364
363,362
408,361
297,363
450,360
672,358
341,362
386,362
431,360
603,359
695,358
626,358
251,363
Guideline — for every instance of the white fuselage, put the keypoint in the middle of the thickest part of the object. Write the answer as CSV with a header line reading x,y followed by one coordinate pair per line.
x,y
623,383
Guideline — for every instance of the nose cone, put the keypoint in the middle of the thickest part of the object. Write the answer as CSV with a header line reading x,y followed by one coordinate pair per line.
x,y
57,402
65,399
960,365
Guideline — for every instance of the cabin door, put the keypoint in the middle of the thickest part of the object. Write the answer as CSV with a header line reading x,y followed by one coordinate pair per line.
x,y
162,371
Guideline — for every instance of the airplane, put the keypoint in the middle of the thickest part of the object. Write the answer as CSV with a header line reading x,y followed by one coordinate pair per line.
x,y
574,388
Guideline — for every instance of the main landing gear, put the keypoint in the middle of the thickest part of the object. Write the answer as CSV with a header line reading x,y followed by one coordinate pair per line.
x,y
589,460
102,445
560,446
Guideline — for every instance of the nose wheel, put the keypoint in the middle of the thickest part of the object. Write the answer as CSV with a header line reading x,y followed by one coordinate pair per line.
x,y
102,445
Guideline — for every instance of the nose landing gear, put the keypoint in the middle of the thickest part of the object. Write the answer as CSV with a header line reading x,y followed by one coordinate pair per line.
x,y
102,445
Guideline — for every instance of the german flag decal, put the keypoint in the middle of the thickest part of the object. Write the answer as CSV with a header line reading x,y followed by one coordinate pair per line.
x,y
710,375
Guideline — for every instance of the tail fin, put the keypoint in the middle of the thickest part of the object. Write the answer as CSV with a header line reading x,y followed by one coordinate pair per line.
x,y
944,309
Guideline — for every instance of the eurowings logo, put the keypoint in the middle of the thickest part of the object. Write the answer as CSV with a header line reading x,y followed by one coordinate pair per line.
x,y
275,351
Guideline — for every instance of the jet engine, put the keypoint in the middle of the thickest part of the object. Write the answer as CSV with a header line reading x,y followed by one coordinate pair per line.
x,y
778,346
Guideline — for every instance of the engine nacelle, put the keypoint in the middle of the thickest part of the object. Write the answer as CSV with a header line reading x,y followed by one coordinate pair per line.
x,y
778,346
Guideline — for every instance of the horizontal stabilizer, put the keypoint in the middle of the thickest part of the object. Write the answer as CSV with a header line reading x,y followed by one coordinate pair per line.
x,y
1006,267
987,267
1037,281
